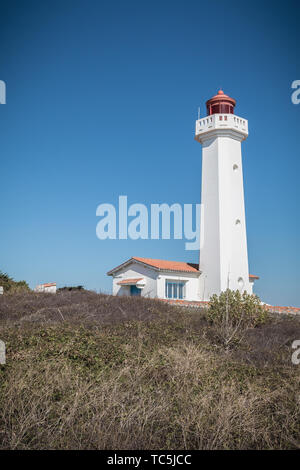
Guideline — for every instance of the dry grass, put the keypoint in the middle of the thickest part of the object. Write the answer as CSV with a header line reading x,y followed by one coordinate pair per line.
x,y
88,371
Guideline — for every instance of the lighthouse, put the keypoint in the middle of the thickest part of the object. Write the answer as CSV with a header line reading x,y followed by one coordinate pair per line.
x,y
223,242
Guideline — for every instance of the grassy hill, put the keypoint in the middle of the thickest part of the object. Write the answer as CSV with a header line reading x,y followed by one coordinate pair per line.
x,y
89,371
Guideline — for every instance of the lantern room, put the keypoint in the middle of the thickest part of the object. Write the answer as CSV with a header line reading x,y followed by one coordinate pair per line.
x,y
220,104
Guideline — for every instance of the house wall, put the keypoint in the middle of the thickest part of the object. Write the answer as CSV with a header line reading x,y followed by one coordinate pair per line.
x,y
136,270
50,289
155,282
47,289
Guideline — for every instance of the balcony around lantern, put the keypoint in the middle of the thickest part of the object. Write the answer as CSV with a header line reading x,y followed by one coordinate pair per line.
x,y
221,121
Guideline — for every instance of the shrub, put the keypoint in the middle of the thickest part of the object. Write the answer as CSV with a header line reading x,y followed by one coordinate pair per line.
x,y
10,285
69,288
232,313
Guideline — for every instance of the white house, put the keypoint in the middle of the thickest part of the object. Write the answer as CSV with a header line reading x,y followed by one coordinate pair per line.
x,y
161,279
49,287
223,242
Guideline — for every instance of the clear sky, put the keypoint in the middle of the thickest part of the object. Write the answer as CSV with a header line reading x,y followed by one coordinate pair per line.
x,y
102,99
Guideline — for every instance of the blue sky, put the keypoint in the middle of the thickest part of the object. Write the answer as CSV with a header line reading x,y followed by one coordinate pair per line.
x,y
102,99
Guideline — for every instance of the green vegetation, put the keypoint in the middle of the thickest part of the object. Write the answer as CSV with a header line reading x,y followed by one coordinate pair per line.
x,y
90,371
234,313
10,285
70,288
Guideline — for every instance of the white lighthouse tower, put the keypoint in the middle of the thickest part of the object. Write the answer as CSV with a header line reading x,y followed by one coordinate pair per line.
x,y
223,242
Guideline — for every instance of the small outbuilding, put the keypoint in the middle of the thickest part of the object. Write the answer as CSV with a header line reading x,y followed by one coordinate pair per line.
x,y
49,287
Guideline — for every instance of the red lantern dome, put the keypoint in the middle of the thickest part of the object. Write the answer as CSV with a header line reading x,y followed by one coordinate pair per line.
x,y
220,104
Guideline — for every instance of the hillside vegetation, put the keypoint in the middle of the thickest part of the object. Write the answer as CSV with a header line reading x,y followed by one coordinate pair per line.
x,y
90,371
10,285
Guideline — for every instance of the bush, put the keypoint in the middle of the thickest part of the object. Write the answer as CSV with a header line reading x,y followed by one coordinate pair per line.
x,y
69,288
232,313
10,285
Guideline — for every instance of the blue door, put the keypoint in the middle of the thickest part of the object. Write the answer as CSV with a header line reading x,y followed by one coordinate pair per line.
x,y
135,290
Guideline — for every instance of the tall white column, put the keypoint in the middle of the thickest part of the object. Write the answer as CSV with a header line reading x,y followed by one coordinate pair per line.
x,y
223,241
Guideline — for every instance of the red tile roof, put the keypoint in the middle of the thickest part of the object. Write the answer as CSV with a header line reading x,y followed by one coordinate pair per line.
x,y
166,265
49,284
130,282
169,265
